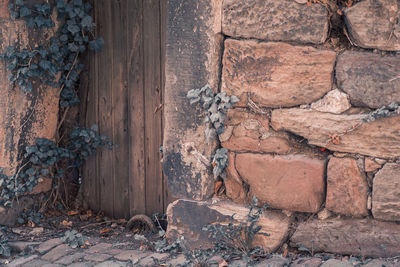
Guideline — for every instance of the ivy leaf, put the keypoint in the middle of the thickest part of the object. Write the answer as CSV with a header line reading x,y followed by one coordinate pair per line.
x,y
96,45
87,22
73,28
24,12
19,2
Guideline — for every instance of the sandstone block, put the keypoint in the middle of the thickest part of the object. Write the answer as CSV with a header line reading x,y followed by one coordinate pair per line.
x,y
386,193
283,20
293,182
4,12
371,165
276,74
318,128
375,24
233,182
334,101
363,237
347,188
246,131
187,218
371,80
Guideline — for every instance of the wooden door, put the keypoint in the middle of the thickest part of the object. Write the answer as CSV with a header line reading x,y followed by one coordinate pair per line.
x,y
124,98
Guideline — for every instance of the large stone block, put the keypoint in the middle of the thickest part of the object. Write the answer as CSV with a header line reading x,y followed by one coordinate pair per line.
x,y
375,24
276,74
361,237
187,218
371,80
272,20
347,188
197,44
380,138
234,188
246,131
293,182
386,193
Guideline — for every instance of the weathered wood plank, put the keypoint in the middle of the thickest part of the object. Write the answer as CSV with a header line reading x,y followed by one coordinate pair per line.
x,y
152,96
134,33
120,109
105,89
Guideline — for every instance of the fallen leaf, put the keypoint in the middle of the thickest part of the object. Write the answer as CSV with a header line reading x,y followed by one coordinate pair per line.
x,y
223,263
84,217
105,230
72,212
66,223
89,213
323,149
339,12
285,253
31,224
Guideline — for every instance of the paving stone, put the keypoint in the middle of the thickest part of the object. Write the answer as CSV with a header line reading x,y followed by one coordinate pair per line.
x,y
97,257
148,261
180,259
133,255
20,246
336,263
51,265
112,264
57,252
70,258
36,263
20,261
306,262
100,248
49,244
82,264
274,261
380,263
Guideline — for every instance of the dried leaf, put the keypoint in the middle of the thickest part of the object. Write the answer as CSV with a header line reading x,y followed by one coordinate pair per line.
x,y
105,230
223,263
66,223
339,12
72,212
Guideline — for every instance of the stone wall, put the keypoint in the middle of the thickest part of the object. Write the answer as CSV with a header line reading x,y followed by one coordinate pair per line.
x,y
302,138
23,117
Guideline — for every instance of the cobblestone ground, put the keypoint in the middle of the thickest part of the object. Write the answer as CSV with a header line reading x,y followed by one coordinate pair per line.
x,y
55,252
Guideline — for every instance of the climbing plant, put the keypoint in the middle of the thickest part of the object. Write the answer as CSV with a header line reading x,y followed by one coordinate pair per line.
x,y
53,62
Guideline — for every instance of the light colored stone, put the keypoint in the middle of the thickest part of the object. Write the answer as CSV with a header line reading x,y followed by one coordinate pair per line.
x,y
98,257
334,101
386,193
100,248
49,244
276,74
359,237
246,131
319,127
20,246
306,262
375,24
187,218
57,252
149,260
112,264
336,263
324,214
371,165
380,263
133,255
21,261
274,261
67,260
283,20
293,182
347,188
371,80
180,260
36,263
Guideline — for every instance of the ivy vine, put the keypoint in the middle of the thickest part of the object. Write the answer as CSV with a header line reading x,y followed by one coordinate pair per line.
x,y
55,63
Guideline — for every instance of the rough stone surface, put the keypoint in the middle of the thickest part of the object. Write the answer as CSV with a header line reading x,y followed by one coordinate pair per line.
x,y
272,20
293,182
347,188
9,215
187,218
20,261
133,255
304,262
375,24
98,257
274,261
386,193
197,43
363,237
371,165
57,252
49,244
66,260
371,80
20,246
4,11
334,101
246,131
318,127
336,263
233,183
380,263
276,74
